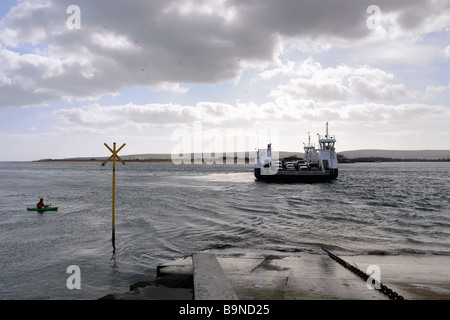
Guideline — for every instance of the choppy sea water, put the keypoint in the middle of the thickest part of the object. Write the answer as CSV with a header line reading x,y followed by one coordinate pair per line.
x,y
165,211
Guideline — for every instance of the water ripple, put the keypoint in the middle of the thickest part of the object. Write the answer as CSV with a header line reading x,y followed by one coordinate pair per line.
x,y
166,211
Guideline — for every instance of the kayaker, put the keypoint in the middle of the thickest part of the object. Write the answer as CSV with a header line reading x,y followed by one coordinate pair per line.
x,y
41,204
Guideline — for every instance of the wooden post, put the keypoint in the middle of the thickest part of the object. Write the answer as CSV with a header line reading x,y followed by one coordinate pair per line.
x,y
114,156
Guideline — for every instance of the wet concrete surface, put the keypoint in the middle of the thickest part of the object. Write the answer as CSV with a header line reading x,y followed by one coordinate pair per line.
x,y
276,275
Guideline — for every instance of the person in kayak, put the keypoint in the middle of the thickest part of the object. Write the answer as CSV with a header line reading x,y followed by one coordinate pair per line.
x,y
41,204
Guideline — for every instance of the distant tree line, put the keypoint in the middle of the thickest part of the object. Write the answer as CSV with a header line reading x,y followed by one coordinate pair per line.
x,y
343,159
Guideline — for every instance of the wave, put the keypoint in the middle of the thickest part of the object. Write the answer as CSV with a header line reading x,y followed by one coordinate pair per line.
x,y
317,248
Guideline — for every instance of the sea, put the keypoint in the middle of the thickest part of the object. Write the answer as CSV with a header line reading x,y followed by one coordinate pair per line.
x,y
166,211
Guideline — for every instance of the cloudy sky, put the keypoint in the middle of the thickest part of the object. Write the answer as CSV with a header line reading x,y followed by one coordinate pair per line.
x,y
151,73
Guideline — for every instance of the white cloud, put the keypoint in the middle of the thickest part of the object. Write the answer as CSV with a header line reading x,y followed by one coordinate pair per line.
x,y
95,115
413,113
27,22
130,115
220,9
153,43
434,91
447,51
109,40
377,87
310,80
173,87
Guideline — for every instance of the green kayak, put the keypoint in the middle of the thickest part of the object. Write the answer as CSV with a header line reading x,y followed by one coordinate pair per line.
x,y
46,209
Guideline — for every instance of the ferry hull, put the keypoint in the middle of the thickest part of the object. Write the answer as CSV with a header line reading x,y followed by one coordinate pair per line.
x,y
296,176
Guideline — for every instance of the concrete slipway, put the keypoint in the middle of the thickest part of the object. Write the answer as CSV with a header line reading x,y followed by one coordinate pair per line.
x,y
279,275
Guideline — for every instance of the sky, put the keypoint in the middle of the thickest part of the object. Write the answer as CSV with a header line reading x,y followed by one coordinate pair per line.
x,y
184,76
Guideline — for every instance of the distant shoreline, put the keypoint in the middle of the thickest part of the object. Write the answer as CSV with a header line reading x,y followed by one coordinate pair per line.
x,y
102,160
355,156
247,161
193,161
380,160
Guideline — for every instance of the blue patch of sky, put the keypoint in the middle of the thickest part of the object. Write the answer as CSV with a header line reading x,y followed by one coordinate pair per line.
x,y
140,96
5,6
27,120
438,38
22,120
137,96
438,71
299,51
29,48
226,92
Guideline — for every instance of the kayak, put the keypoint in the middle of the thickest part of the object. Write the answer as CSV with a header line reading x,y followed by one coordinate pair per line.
x,y
45,209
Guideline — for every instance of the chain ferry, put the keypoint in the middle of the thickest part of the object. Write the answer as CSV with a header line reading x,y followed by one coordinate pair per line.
x,y
318,165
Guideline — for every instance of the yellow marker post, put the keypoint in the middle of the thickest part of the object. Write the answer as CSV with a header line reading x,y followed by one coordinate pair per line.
x,y
114,156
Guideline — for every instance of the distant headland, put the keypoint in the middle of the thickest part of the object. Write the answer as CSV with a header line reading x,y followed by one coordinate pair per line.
x,y
366,155
377,155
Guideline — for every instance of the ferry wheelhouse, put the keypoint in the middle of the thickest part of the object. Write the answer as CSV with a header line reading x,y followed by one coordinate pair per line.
x,y
317,165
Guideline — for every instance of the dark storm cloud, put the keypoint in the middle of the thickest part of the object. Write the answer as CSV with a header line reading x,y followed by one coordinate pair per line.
x,y
145,43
